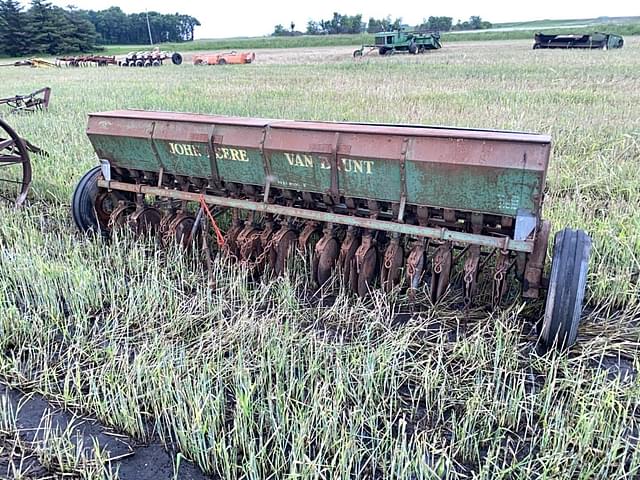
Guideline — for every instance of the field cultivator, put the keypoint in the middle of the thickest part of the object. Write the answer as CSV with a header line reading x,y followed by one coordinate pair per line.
x,y
602,41
154,58
38,100
424,209
87,60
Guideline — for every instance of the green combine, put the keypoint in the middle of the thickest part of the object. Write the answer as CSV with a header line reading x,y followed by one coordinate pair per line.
x,y
401,41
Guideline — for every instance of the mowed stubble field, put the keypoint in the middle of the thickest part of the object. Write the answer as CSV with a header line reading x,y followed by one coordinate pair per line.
x,y
256,381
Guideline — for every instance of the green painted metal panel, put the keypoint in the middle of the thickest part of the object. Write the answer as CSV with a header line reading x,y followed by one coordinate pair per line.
x,y
240,165
301,171
191,159
368,178
128,152
474,188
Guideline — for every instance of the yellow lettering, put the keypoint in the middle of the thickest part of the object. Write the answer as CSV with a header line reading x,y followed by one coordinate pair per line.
x,y
290,158
353,165
179,149
308,160
184,149
237,155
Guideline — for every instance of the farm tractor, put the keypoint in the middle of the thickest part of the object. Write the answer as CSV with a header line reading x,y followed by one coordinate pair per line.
x,y
401,41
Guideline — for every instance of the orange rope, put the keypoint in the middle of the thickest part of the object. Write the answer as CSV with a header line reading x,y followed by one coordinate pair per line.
x,y
219,236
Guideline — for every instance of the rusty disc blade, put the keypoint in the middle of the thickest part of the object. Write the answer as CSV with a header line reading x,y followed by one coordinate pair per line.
x,y
367,271
326,261
286,241
440,272
347,260
415,268
119,216
145,220
180,229
391,266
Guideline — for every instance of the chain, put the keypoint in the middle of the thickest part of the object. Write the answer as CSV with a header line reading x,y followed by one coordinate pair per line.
x,y
437,263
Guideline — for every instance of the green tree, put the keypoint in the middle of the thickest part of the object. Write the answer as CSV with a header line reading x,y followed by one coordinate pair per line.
x,y
14,40
83,34
48,28
441,24
313,28
475,22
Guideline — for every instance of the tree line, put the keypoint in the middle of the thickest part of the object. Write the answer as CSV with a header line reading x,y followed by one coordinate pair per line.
x,y
340,23
47,29
114,27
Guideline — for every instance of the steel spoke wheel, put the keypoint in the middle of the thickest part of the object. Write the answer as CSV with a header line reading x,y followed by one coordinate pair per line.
x,y
567,284
15,166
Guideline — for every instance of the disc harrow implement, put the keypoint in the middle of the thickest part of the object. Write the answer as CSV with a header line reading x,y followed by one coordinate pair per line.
x,y
407,208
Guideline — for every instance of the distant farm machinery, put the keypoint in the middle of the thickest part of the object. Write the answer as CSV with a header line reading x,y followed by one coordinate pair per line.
x,y
601,41
31,62
230,58
86,60
401,41
15,163
38,100
383,206
153,58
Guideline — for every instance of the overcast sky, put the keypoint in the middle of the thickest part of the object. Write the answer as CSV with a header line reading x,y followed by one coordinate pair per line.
x,y
228,18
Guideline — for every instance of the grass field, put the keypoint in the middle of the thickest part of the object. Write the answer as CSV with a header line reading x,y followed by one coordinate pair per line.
x,y
257,381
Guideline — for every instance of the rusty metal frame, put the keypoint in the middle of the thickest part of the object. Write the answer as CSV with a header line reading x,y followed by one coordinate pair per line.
x,y
38,100
442,234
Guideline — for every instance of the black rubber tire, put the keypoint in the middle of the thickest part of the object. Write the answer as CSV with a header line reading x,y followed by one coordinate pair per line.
x,y
222,61
176,58
82,201
357,53
566,289
413,48
382,50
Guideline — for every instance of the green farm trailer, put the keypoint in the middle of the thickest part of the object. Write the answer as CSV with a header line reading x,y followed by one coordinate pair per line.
x,y
421,209
401,41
